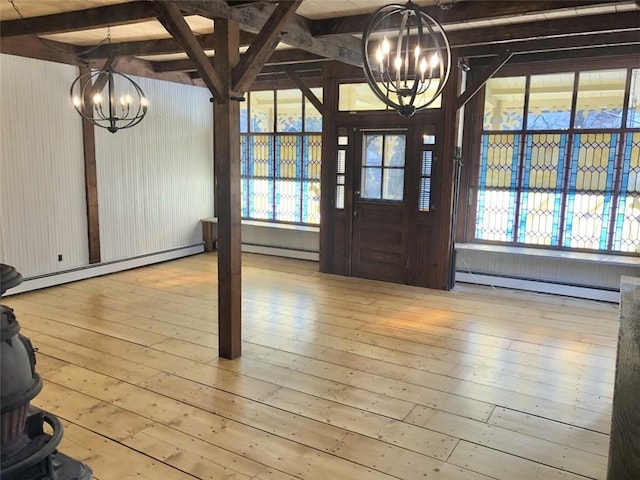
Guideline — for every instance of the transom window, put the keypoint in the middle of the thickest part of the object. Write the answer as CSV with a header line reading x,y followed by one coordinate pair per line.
x,y
560,161
281,144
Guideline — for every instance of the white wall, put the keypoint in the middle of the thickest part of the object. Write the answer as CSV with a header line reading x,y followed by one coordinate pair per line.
x,y
155,181
42,197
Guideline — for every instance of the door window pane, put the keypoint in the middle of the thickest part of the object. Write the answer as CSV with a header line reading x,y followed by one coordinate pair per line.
x,y
393,186
371,183
373,150
382,176
394,148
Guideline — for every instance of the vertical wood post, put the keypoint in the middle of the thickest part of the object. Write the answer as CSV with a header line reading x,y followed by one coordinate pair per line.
x,y
90,179
445,202
328,174
624,445
227,160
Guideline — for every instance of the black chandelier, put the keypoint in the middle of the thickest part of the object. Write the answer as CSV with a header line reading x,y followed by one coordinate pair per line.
x,y
108,99
411,63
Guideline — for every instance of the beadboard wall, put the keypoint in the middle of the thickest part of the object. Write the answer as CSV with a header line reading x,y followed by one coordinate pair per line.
x,y
155,181
42,198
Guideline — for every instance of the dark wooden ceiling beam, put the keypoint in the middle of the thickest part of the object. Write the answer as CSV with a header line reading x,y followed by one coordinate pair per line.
x,y
31,46
279,57
77,20
460,12
596,40
170,16
546,29
269,71
161,46
263,46
251,18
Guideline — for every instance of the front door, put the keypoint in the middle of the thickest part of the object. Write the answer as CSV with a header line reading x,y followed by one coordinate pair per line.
x,y
379,228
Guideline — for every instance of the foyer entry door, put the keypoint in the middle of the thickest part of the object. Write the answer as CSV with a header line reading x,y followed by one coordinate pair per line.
x,y
379,241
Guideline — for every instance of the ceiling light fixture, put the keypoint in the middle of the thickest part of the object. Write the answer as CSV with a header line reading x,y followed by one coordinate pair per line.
x,y
108,99
410,65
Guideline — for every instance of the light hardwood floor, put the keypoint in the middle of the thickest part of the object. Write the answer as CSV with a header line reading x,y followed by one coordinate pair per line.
x,y
340,378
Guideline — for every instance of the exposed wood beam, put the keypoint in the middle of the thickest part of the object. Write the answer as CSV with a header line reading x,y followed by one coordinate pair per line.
x,y
546,29
630,52
251,18
279,57
274,72
171,17
263,46
300,69
480,80
287,57
157,47
78,20
596,40
33,47
461,12
144,68
306,91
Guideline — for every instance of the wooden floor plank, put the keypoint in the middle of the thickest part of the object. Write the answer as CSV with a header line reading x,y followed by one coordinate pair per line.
x,y
340,378
587,440
500,465
553,454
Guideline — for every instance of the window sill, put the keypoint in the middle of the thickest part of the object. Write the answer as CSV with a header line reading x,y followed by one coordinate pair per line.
x,y
601,258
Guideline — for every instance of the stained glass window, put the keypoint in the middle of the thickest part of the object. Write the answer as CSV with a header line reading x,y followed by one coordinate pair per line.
x,y
570,176
627,221
280,170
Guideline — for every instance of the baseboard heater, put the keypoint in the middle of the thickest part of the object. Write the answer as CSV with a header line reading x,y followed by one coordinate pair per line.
x,y
540,286
281,252
95,270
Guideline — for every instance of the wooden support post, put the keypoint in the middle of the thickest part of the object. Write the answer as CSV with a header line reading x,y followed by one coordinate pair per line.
x,y
328,174
447,167
624,446
90,180
227,159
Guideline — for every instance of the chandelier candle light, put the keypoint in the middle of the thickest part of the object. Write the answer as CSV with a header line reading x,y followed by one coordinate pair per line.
x,y
411,63
111,111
